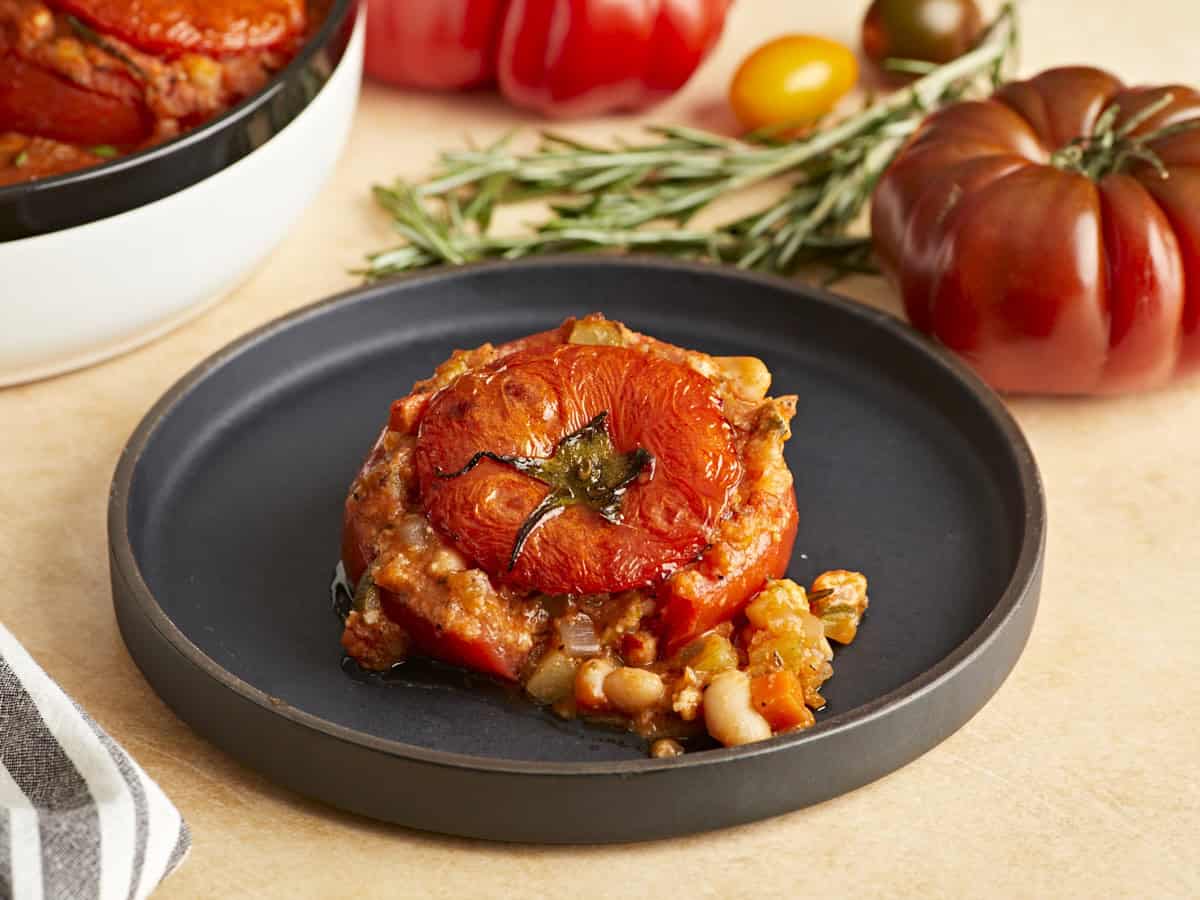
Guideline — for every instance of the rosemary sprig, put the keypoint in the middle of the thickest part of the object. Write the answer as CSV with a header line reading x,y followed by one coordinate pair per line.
x,y
643,196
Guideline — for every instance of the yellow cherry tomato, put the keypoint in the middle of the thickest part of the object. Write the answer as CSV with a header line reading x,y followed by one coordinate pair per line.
x,y
792,80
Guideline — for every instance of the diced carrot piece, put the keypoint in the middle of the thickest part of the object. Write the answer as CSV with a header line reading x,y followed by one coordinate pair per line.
x,y
779,698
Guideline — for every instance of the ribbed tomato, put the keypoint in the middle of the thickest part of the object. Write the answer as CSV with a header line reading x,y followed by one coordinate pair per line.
x,y
524,406
1051,234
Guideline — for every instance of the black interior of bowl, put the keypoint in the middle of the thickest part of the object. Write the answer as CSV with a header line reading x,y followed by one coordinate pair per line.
x,y
76,198
235,507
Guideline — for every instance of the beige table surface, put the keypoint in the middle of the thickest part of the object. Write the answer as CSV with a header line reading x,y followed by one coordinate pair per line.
x,y
1081,778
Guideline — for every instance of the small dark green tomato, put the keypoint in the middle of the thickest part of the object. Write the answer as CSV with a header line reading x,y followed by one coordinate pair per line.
x,y
934,31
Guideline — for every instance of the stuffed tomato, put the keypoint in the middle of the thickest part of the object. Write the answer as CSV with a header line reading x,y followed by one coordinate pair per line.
x,y
82,81
605,519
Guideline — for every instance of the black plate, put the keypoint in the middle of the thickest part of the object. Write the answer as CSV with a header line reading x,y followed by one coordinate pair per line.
x,y
225,518
76,198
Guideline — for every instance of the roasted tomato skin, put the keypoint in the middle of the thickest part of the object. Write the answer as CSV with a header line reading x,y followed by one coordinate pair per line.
x,y
1046,279
34,100
524,405
697,600
489,657
208,26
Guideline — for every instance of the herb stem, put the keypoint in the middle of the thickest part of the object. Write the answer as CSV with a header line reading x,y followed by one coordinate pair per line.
x,y
642,195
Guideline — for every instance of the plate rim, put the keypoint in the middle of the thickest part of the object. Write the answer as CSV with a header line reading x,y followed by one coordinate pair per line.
x,y
1026,569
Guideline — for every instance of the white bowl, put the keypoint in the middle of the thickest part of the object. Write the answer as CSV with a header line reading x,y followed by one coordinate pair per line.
x,y
80,294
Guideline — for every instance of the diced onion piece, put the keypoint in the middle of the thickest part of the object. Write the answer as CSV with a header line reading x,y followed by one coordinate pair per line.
x,y
666,748
840,599
709,654
776,605
596,332
554,677
414,532
366,595
577,634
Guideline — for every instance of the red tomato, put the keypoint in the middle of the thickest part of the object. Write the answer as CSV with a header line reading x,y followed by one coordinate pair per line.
x,y
572,57
448,44
1049,263
213,26
525,405
35,100
704,599
487,652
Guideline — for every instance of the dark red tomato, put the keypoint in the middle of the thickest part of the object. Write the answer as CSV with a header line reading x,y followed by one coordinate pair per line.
x,y
566,58
1030,234
524,406
212,26
35,100
934,31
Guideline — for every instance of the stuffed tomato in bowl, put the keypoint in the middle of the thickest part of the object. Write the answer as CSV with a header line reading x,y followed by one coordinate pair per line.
x,y
151,155
604,519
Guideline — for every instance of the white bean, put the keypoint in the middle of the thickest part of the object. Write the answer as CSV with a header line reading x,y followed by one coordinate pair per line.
x,y
633,690
728,713
589,683
748,377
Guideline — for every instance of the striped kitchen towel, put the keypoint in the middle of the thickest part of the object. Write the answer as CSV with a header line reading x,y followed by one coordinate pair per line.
x,y
78,817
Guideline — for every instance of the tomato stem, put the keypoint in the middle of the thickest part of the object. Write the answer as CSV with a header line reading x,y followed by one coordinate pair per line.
x,y
1111,147
585,469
